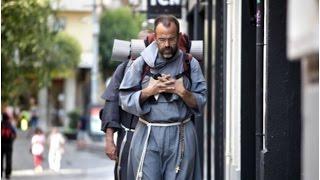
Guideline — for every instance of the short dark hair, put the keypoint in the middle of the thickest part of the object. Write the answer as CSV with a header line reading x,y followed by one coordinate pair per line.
x,y
166,20
38,131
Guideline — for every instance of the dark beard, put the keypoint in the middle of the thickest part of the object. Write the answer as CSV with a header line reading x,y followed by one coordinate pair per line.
x,y
172,50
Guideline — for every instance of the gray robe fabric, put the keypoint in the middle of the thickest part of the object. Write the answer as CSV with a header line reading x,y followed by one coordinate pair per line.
x,y
113,117
162,155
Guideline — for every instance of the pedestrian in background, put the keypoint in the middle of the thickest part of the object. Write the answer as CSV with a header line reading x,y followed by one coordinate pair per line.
x,y
37,148
82,136
8,134
34,114
56,149
24,121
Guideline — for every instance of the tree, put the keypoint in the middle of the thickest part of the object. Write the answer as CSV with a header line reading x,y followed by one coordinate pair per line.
x,y
66,53
31,52
116,24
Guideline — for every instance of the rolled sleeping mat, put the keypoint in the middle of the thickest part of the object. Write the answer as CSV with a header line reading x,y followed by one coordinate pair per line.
x,y
120,50
197,49
137,46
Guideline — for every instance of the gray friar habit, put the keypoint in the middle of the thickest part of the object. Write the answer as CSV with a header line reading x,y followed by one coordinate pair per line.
x,y
119,120
164,145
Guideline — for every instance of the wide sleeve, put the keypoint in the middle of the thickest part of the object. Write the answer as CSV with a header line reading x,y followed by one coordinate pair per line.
x,y
112,91
198,86
111,111
110,116
130,89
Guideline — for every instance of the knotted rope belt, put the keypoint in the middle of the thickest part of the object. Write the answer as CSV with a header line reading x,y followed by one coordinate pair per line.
x,y
181,142
124,141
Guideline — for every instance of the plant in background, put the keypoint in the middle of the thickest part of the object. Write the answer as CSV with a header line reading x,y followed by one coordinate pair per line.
x,y
74,117
25,36
66,53
32,53
116,24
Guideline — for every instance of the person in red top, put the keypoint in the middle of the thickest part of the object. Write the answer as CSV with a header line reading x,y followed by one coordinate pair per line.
x,y
37,148
8,135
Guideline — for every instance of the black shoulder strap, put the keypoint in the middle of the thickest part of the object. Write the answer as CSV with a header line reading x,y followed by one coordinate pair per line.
x,y
187,59
186,67
124,68
145,71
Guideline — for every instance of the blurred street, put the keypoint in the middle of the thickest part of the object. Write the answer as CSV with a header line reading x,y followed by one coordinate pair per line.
x,y
87,164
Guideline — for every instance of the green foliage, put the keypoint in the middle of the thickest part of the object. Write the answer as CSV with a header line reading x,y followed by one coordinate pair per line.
x,y
24,35
66,55
31,53
116,24
74,117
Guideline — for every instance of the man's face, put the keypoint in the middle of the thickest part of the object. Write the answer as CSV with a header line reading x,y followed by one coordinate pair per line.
x,y
166,39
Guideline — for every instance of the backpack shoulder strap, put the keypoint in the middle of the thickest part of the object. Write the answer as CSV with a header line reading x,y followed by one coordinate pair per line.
x,y
124,67
145,71
186,62
186,67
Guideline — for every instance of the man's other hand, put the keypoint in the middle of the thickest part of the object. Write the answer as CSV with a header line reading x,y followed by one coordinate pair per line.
x,y
110,148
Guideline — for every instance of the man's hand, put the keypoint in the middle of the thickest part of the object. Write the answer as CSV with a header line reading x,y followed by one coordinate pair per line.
x,y
166,84
180,90
110,148
163,84
177,86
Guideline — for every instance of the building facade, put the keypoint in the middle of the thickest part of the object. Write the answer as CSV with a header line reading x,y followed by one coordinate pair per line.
x,y
75,17
262,69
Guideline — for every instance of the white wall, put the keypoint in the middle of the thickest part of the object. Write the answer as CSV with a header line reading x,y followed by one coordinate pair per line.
x,y
233,94
309,126
303,44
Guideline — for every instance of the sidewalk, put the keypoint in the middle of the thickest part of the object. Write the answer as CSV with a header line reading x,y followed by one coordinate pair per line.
x,y
87,164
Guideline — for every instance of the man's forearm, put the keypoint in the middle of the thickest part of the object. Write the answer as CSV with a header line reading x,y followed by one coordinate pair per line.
x,y
145,94
110,147
109,134
188,98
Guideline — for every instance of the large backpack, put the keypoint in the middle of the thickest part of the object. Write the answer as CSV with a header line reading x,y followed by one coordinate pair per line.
x,y
8,133
184,44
